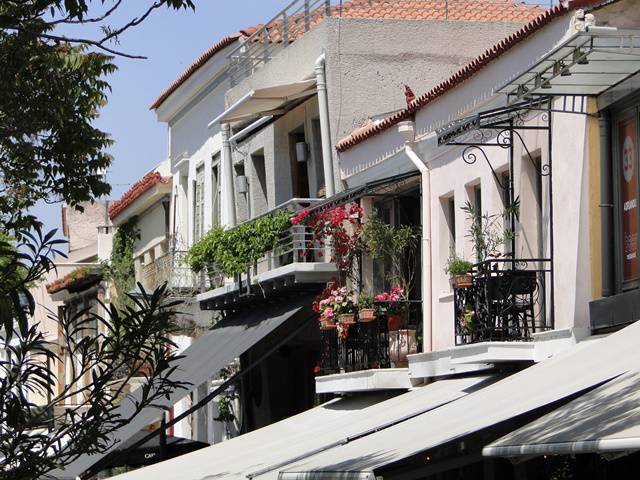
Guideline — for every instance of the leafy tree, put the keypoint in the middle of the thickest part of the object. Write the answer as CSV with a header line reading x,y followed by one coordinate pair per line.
x,y
52,86
135,342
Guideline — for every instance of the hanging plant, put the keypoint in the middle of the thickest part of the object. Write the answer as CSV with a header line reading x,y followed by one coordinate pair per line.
x,y
233,250
341,227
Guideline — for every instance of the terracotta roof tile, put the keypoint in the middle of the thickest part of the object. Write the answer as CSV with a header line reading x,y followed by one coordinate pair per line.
x,y
362,133
199,62
76,280
468,10
137,190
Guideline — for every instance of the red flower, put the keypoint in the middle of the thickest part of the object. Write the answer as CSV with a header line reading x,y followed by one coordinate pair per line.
x,y
316,369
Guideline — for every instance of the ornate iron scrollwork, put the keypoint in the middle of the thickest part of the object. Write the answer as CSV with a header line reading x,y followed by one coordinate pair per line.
x,y
469,156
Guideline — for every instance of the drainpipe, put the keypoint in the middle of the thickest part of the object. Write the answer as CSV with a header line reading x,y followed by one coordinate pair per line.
x,y
407,130
325,134
228,194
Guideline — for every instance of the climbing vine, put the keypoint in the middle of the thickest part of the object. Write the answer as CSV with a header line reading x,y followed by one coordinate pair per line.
x,y
121,269
232,250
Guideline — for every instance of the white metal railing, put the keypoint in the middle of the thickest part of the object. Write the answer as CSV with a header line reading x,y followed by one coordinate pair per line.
x,y
173,269
299,16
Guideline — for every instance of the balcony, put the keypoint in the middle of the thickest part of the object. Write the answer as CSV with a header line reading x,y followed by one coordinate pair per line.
x,y
370,355
277,34
172,269
503,300
289,265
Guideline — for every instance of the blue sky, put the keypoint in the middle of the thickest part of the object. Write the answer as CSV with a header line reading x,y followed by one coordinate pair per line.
x,y
171,40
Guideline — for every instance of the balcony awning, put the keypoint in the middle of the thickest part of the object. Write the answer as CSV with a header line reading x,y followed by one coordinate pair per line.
x,y
587,365
262,102
265,451
229,339
605,420
587,63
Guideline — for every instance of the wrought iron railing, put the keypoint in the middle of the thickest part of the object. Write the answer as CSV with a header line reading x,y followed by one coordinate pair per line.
x,y
504,300
299,16
383,342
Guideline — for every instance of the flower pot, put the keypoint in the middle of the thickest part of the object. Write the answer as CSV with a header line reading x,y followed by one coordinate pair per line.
x,y
327,324
394,321
402,343
347,318
366,315
461,281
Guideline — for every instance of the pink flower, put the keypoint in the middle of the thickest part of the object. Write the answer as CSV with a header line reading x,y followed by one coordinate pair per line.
x,y
339,299
328,313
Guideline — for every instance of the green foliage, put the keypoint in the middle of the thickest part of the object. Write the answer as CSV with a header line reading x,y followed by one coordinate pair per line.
x,y
121,269
489,232
53,88
49,149
365,300
398,244
232,250
457,266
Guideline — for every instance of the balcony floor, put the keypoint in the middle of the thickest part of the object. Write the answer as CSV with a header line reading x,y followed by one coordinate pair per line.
x,y
285,278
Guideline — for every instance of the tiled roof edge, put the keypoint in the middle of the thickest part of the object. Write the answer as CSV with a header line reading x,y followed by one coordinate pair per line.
x,y
461,75
137,190
195,66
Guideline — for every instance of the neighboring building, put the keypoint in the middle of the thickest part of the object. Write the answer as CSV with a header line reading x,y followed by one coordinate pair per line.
x,y
76,285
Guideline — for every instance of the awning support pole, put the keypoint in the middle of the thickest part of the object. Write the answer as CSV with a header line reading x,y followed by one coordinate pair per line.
x,y
204,401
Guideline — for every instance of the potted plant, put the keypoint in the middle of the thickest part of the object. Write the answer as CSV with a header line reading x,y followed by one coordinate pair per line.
x,y
335,303
459,271
394,303
366,312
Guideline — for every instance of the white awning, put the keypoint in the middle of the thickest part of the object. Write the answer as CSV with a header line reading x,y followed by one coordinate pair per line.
x,y
266,101
229,339
588,63
605,420
588,364
265,451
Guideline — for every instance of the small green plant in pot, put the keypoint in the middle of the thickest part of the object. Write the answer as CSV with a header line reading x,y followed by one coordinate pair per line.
x,y
459,271
366,311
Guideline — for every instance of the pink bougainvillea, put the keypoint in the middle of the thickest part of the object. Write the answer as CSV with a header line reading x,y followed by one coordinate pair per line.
x,y
342,225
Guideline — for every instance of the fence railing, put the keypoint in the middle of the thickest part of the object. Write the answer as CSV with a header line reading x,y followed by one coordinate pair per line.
x,y
383,342
276,34
172,269
299,16
504,300
295,245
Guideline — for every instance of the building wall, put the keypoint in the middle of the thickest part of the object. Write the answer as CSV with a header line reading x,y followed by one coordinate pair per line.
x,y
80,228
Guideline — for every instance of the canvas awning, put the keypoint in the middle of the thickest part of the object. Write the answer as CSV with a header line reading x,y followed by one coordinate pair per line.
x,y
587,63
588,364
605,420
266,101
229,339
266,451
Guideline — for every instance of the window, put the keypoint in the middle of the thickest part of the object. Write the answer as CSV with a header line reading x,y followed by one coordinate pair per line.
x,y
198,204
505,179
451,221
215,190
259,196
